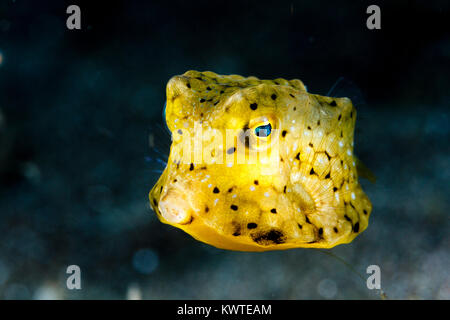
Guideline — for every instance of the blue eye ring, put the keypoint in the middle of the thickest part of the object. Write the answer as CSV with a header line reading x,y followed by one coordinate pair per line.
x,y
263,131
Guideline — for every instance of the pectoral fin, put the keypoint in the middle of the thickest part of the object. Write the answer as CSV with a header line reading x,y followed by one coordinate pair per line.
x,y
365,172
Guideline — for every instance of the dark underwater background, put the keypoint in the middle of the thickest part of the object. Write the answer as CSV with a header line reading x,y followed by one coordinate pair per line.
x,y
77,108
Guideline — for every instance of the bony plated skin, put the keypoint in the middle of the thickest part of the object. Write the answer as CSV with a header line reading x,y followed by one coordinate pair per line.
x,y
302,191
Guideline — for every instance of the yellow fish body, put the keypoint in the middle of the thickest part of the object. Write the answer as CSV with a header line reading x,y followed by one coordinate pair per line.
x,y
302,191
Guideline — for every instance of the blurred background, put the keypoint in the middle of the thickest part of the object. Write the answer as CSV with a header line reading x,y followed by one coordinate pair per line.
x,y
77,108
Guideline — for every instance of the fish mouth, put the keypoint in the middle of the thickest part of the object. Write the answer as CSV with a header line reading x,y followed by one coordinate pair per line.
x,y
177,205
175,208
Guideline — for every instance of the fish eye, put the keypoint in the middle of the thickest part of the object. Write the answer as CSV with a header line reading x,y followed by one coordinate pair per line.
x,y
263,131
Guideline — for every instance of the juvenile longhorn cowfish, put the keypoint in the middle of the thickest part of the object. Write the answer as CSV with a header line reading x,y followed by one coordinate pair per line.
x,y
309,197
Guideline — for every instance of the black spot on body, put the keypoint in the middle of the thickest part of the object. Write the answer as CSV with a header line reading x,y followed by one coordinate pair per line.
x,y
252,225
297,156
365,211
236,229
245,138
206,209
216,190
333,103
312,171
335,229
291,95
202,100
188,85
327,176
340,117
234,207
284,133
347,218
273,96
231,150
274,210
191,167
335,189
268,238
253,106
320,232
230,190
190,221
300,226
284,190
307,220
356,227
180,131
328,156
256,182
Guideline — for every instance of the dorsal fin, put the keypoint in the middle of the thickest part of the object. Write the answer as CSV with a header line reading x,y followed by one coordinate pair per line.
x,y
344,87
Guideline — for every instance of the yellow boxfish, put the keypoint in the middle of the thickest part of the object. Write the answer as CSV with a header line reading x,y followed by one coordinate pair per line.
x,y
302,190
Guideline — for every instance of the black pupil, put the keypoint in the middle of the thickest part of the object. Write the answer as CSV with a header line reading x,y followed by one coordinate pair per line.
x,y
263,131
